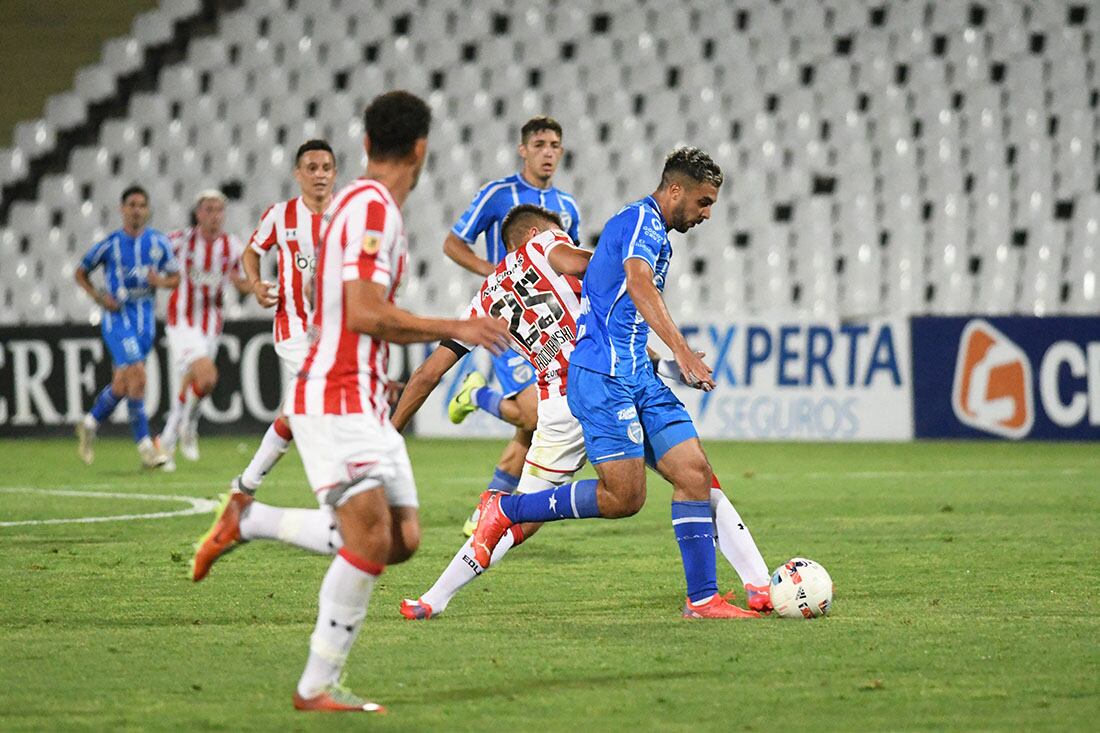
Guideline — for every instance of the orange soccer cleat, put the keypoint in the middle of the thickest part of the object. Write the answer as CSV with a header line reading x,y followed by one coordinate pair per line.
x,y
491,526
759,597
416,610
716,607
222,536
336,699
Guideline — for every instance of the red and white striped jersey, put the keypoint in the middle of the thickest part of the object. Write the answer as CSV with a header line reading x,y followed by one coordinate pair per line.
x,y
540,305
296,230
362,238
205,270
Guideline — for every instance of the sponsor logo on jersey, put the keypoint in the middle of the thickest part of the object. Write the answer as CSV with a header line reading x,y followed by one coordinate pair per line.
x,y
628,414
992,387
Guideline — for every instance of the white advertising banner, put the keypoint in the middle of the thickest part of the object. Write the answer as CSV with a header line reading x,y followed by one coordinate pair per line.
x,y
798,379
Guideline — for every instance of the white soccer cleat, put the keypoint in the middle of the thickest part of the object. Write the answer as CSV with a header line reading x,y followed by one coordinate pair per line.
x,y
151,455
189,445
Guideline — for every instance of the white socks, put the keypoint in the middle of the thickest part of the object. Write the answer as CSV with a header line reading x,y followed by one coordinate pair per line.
x,y
345,592
462,569
179,418
736,542
310,529
272,448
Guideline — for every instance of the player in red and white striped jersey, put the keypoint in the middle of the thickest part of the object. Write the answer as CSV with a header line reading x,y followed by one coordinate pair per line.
x,y
354,459
535,289
209,261
291,228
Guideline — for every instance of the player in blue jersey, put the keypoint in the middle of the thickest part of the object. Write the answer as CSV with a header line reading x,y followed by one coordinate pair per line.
x,y
516,403
135,261
628,415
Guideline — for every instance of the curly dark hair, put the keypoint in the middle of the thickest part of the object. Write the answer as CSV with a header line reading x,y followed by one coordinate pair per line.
x,y
394,121
693,164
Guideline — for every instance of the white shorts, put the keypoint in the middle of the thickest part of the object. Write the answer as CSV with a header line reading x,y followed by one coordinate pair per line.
x,y
345,455
292,354
557,448
188,344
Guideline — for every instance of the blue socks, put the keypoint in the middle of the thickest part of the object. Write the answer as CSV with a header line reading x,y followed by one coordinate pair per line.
x,y
576,500
488,400
105,403
139,423
504,482
694,527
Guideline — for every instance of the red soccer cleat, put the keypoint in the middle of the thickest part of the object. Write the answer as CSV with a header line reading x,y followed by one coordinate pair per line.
x,y
491,526
336,699
759,597
222,536
416,610
716,607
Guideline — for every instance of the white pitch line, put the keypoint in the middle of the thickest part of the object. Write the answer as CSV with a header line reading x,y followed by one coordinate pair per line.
x,y
197,506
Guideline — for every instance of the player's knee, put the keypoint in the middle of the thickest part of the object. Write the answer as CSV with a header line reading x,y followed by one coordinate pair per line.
x,y
406,544
135,381
622,500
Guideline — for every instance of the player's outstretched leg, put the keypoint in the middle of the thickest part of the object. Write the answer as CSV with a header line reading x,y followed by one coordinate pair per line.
x,y
737,545
224,534
498,512
462,569
272,448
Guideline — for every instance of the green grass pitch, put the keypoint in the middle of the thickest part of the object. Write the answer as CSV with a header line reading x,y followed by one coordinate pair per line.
x,y
966,598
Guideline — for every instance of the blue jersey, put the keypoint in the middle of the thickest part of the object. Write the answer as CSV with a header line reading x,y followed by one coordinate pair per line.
x,y
127,262
496,199
611,336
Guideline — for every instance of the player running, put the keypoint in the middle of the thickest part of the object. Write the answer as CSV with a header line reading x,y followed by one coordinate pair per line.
x,y
209,260
135,261
292,228
629,416
536,289
354,459
540,149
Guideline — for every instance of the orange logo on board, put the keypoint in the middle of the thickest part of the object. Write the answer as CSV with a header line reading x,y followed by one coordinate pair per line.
x,y
992,389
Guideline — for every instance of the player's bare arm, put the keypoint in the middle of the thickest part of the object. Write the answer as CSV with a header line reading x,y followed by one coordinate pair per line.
x,y
259,287
647,299
424,379
568,260
465,257
104,299
369,312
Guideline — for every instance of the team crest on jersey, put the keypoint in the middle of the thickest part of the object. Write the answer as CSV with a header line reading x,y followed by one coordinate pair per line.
x,y
566,219
522,372
155,251
371,243
634,432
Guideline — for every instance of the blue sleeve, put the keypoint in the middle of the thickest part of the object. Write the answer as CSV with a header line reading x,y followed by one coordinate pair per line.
x,y
480,214
575,228
167,263
94,257
646,236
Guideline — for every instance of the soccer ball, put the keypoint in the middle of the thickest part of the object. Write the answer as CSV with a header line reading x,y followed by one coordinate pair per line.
x,y
801,588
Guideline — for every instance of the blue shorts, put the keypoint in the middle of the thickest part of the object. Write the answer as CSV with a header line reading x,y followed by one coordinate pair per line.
x,y
635,416
127,344
514,373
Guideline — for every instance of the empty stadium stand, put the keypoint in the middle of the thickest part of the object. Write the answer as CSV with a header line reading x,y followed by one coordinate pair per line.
x,y
911,156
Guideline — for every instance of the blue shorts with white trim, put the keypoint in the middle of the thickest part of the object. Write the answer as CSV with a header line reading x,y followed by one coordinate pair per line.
x,y
633,416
